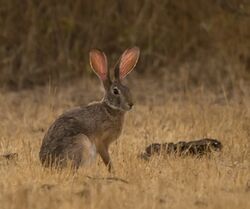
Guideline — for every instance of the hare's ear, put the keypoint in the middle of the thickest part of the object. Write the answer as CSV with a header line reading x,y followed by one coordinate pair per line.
x,y
99,63
128,61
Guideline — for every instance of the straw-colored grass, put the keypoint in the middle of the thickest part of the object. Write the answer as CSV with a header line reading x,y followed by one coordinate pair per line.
x,y
162,114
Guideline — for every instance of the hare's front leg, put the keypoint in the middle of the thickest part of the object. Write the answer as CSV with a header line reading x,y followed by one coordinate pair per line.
x,y
103,151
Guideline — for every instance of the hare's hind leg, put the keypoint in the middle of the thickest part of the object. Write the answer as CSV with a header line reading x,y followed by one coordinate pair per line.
x,y
81,152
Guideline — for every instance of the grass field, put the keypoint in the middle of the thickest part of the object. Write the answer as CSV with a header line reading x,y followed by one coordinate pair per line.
x,y
162,114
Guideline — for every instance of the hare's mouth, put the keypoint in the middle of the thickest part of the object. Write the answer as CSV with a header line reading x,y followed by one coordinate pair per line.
x,y
128,106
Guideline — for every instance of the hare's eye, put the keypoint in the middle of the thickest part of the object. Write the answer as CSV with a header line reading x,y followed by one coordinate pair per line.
x,y
115,91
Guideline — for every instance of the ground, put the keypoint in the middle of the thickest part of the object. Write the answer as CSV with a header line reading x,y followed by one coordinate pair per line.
x,y
161,114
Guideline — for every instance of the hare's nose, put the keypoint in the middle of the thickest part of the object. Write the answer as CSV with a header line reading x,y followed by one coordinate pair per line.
x,y
130,105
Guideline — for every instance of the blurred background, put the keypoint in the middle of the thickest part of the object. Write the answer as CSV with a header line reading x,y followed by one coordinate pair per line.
x,y
203,42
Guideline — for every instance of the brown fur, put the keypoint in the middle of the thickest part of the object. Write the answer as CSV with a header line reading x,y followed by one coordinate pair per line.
x,y
79,133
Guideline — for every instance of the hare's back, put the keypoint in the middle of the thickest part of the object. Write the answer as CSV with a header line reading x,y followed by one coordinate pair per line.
x,y
80,120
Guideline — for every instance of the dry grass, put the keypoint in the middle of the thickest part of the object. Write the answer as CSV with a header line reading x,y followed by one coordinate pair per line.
x,y
223,181
199,53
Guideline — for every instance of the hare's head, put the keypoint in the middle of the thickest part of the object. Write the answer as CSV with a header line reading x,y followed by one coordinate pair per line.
x,y
117,95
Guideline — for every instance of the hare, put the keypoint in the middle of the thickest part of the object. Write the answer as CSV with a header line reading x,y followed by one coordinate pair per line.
x,y
79,134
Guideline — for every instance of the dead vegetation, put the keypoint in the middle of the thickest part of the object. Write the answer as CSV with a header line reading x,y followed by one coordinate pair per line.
x,y
48,41
161,114
192,81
